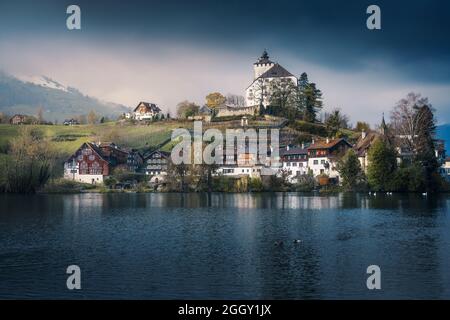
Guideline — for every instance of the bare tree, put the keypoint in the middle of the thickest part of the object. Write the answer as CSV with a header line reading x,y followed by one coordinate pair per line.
x,y
236,100
92,117
406,120
40,115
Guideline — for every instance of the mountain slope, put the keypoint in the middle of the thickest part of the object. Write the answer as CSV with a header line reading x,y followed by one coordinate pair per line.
x,y
443,132
58,102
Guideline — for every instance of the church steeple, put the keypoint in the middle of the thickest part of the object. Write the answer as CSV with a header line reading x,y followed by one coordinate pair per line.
x,y
383,126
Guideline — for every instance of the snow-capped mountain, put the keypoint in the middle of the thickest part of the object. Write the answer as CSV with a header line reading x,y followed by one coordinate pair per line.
x,y
43,81
25,95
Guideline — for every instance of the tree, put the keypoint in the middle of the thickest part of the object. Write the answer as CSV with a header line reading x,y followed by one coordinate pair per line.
x,y
82,119
309,100
282,97
215,100
92,117
382,165
2,117
335,121
31,159
40,115
425,146
362,126
406,120
235,99
350,170
187,109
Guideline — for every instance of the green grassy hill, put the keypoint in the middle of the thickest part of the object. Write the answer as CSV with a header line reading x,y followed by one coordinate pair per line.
x,y
66,139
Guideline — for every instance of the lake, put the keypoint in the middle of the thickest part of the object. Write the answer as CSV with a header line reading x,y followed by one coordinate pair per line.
x,y
221,246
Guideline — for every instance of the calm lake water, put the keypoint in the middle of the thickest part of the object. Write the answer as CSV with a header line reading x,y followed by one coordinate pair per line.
x,y
195,246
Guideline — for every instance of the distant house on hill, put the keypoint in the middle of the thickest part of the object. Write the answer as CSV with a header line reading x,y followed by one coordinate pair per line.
x,y
145,111
92,163
70,122
19,119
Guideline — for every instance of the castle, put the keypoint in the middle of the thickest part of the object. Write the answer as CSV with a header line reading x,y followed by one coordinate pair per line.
x,y
264,71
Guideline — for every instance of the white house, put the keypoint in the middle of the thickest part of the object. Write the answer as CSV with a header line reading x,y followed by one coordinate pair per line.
x,y
294,161
146,111
445,169
324,155
265,71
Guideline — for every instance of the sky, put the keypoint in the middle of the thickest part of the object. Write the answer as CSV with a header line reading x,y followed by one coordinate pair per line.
x,y
169,51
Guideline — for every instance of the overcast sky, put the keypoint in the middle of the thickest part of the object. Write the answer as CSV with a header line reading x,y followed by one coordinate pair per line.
x,y
168,51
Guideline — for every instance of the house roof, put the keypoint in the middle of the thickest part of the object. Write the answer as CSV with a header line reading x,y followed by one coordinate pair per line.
x,y
276,71
362,145
97,149
149,106
162,153
205,109
293,151
328,145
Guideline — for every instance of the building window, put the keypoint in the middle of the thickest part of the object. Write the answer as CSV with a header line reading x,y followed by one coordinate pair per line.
x,y
322,161
83,168
316,161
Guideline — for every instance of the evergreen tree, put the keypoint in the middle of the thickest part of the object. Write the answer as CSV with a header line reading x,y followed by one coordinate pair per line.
x,y
425,146
350,171
382,165
309,101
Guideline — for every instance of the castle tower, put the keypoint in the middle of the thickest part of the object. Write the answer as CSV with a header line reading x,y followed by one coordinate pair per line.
x,y
262,65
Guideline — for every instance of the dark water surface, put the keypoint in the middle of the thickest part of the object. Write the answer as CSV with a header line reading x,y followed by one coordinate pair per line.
x,y
170,246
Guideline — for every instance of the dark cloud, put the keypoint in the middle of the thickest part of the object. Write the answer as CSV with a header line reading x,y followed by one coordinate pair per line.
x,y
415,35
411,51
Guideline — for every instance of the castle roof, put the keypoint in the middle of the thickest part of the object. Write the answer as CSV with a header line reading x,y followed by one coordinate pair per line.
x,y
276,71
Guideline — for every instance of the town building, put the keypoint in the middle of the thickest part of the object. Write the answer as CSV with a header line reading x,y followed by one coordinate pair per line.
x,y
264,72
445,169
135,160
156,163
294,161
92,163
323,157
366,140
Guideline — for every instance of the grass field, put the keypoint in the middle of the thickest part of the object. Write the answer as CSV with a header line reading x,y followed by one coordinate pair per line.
x,y
66,139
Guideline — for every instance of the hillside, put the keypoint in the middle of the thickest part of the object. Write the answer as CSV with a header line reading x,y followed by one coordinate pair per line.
x,y
443,132
59,102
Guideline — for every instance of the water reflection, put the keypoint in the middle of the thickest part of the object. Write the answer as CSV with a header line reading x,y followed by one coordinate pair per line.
x,y
222,245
